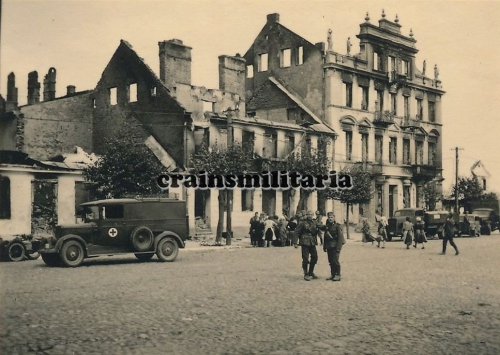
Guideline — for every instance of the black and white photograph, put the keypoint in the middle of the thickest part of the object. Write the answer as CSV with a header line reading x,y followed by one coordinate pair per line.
x,y
249,177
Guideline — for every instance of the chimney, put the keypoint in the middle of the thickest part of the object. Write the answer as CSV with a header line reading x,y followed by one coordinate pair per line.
x,y
33,88
49,85
272,18
11,102
175,63
70,90
232,75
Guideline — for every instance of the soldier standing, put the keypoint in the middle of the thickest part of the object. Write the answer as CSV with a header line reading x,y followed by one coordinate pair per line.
x,y
307,232
332,245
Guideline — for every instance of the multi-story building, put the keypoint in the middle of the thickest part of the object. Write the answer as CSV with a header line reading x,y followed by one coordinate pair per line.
x,y
170,115
385,109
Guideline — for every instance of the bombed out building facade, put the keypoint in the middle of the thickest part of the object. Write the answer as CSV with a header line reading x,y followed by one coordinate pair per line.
x,y
284,95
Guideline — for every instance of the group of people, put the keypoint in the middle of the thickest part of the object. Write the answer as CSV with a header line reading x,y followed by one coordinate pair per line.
x,y
412,233
302,230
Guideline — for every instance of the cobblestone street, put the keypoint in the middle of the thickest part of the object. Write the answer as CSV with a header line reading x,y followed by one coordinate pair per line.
x,y
249,301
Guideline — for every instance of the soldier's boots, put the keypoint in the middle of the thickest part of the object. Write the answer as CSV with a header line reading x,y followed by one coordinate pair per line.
x,y
311,272
306,274
336,278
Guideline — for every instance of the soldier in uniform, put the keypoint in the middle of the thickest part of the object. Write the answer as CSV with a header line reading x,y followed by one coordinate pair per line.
x,y
307,232
333,242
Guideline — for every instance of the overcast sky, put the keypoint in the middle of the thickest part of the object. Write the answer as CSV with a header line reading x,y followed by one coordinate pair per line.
x,y
79,37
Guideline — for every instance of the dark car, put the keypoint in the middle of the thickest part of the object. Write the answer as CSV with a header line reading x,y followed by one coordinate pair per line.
x,y
489,219
434,221
468,224
142,226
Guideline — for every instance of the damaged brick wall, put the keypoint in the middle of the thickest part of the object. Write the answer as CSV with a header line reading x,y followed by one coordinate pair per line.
x,y
56,127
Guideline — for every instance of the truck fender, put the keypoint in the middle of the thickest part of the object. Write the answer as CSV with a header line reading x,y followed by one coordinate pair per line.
x,y
169,234
61,241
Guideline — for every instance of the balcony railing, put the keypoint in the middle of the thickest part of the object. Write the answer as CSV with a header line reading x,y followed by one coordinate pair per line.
x,y
420,171
385,118
410,122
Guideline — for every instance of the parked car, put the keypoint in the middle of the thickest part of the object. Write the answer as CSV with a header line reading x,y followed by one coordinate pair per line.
x,y
489,219
469,224
434,221
143,226
19,248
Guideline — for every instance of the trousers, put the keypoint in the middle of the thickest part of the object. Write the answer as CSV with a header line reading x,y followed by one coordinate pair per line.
x,y
333,260
452,243
306,251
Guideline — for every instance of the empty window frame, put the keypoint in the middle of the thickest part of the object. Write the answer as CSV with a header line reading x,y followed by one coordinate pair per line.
x,y
406,152
394,104
364,147
286,57
379,148
300,55
132,92
263,62
113,96
420,110
250,71
407,106
247,200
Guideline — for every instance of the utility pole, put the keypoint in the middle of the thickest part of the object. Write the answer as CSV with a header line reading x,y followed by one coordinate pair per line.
x,y
229,193
456,179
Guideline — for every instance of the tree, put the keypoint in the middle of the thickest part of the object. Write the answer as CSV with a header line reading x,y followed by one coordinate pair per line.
x,y
215,161
126,167
469,190
361,191
305,163
431,195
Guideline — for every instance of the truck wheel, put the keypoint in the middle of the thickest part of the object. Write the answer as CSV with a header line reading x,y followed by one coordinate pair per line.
x,y
51,260
72,253
167,249
145,256
142,238
16,251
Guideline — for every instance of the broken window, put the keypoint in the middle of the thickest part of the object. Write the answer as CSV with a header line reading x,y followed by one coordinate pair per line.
x,y
270,145
247,141
132,93
113,96
4,197
300,55
377,61
250,71
404,65
263,62
286,57
290,144
406,197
